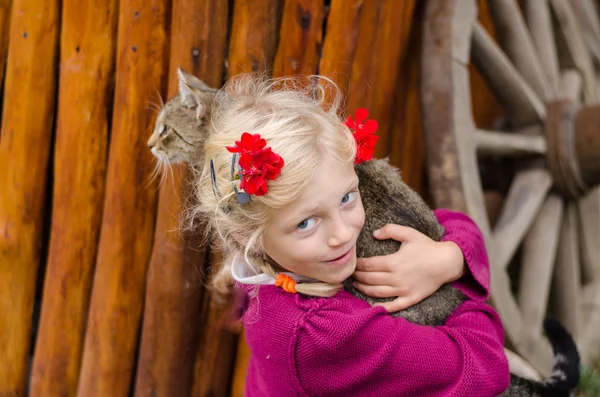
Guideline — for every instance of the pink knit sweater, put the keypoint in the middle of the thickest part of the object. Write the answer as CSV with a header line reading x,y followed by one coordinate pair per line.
x,y
341,346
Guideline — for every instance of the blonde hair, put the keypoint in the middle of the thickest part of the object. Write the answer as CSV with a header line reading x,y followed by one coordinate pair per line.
x,y
300,122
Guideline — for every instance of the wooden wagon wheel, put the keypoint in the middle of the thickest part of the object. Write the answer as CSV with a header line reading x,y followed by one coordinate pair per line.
x,y
541,70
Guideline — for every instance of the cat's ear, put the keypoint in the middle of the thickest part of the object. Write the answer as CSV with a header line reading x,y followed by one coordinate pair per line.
x,y
194,93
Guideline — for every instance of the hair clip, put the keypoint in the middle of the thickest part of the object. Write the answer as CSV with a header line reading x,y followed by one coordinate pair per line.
x,y
213,177
242,197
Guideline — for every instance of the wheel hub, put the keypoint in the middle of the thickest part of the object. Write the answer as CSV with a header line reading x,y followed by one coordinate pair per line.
x,y
573,147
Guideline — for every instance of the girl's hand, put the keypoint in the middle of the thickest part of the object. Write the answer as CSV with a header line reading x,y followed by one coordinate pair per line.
x,y
413,273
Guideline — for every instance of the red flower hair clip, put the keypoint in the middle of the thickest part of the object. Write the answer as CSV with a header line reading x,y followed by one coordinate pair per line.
x,y
258,163
363,131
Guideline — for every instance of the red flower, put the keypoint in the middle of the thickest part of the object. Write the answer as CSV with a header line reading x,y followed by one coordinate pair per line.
x,y
363,133
258,163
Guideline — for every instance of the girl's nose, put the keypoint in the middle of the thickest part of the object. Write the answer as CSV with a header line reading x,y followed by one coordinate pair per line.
x,y
340,234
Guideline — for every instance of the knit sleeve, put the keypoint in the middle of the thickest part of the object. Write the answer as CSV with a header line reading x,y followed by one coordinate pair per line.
x,y
342,350
461,230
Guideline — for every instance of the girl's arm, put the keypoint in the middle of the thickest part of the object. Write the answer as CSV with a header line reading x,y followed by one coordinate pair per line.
x,y
461,230
347,348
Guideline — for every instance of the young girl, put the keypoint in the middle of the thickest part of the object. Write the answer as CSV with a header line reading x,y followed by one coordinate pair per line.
x,y
280,191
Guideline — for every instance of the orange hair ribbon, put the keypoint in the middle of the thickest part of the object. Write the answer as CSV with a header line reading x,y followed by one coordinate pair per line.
x,y
286,282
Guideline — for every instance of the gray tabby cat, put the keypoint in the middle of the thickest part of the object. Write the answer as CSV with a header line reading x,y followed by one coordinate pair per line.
x,y
179,135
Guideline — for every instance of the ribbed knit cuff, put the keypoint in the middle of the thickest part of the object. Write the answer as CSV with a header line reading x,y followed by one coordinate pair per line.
x,y
461,230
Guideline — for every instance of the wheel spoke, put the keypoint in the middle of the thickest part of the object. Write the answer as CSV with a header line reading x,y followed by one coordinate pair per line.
x,y
590,25
515,40
525,197
523,106
539,253
567,274
589,216
542,33
589,340
570,83
509,143
576,53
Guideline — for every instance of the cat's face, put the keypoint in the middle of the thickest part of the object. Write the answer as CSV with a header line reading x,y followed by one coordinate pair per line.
x,y
182,125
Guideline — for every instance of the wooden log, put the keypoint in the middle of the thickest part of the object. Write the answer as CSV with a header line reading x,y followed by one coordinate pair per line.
x,y
130,205
486,109
241,368
254,34
174,285
300,38
5,7
28,112
375,67
80,158
406,141
340,43
216,347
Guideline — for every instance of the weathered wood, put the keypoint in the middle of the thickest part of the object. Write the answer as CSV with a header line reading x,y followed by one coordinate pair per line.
x,y
567,276
216,346
406,135
574,51
375,67
487,112
523,106
5,7
589,25
300,38
570,85
339,44
515,39
589,221
174,284
526,195
254,33
241,368
539,254
589,340
539,21
130,205
80,158
509,143
27,116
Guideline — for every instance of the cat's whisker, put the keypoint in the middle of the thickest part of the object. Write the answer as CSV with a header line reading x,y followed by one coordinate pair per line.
x,y
162,102
155,172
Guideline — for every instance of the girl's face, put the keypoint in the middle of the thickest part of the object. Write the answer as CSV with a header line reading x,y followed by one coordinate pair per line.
x,y
315,236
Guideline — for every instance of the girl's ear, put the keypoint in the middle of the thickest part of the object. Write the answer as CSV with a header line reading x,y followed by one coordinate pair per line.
x,y
194,93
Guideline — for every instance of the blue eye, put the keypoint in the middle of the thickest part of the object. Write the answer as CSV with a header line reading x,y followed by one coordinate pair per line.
x,y
349,197
306,224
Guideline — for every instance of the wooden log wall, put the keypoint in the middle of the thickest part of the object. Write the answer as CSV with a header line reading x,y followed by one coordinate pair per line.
x,y
99,294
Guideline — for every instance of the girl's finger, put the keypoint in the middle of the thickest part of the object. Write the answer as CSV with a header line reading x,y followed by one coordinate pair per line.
x,y
399,303
376,291
372,278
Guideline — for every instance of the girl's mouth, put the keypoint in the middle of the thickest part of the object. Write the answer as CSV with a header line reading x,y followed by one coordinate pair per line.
x,y
342,260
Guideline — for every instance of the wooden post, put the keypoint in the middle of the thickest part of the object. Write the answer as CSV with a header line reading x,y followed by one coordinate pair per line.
x,y
5,7
25,143
254,34
130,205
174,290
80,157
340,43
375,66
216,345
300,37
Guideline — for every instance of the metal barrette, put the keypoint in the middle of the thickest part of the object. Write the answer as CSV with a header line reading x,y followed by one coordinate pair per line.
x,y
241,196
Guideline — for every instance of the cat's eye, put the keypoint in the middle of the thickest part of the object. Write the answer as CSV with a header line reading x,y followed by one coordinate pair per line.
x,y
163,133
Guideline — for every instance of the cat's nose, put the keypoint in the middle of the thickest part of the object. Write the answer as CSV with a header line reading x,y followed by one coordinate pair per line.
x,y
150,144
